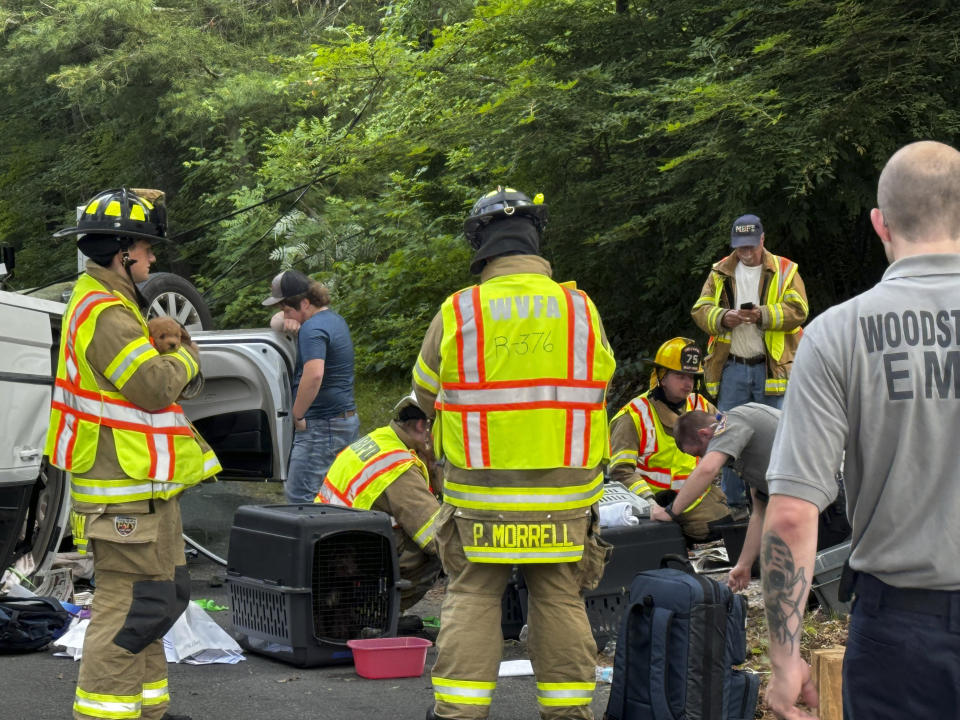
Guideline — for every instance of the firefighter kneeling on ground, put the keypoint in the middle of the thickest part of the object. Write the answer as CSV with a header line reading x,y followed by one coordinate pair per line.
x,y
518,367
115,425
643,453
387,470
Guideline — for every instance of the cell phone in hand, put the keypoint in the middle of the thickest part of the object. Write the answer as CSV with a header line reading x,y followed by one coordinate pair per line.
x,y
747,306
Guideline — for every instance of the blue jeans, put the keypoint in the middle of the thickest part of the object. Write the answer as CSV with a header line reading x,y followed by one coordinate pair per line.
x,y
900,664
739,385
314,450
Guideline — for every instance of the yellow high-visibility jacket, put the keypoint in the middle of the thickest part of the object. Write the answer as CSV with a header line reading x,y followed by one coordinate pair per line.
x,y
643,451
114,422
365,470
783,312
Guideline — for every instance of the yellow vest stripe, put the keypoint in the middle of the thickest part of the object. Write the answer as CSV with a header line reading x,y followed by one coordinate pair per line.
x,y
129,360
463,692
425,377
523,498
571,553
565,694
107,706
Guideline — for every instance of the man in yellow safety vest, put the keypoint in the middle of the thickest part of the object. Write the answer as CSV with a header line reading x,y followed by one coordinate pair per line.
x,y
116,427
386,470
516,369
643,453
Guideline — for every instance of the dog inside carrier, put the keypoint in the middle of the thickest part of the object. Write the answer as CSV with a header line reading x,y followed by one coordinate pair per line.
x,y
304,579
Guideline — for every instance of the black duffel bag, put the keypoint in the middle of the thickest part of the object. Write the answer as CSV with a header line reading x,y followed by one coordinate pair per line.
x,y
30,623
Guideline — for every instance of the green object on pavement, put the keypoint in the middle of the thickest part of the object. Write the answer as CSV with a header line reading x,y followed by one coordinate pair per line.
x,y
210,605
431,621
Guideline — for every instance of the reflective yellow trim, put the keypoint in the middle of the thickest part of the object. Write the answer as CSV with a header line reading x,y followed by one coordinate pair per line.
x,y
136,212
511,499
188,362
92,207
425,377
463,692
628,457
101,705
425,534
112,209
129,360
565,694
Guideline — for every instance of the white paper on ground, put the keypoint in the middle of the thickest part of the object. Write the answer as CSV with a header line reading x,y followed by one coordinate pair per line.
x,y
515,668
195,639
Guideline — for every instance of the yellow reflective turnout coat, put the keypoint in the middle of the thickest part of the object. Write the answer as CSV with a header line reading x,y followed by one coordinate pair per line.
x,y
114,421
516,369
783,311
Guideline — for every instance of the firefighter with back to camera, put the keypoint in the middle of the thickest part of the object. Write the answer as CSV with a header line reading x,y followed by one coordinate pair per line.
x,y
116,427
516,369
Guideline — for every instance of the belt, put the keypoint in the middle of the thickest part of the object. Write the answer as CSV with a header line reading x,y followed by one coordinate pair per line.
x,y
345,414
756,360
918,600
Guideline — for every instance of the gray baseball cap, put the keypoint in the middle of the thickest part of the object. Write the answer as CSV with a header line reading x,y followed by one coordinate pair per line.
x,y
747,231
287,284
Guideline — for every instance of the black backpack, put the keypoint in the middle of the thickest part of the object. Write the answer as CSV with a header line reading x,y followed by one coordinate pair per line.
x,y
679,638
31,623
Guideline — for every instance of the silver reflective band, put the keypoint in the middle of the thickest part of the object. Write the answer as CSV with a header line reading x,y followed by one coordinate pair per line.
x,y
358,482
145,347
462,691
468,331
119,413
521,498
565,693
581,335
574,553
528,394
425,379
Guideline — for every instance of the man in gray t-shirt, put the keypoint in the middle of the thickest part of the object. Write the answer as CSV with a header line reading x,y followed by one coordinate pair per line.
x,y
878,377
740,438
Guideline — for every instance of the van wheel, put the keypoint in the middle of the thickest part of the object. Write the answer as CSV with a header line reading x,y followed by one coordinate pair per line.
x,y
169,294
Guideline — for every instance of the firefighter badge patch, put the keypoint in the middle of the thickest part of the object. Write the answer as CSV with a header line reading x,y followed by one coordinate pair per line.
x,y
124,525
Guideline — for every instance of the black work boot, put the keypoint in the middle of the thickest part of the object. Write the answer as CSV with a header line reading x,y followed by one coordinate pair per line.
x,y
170,716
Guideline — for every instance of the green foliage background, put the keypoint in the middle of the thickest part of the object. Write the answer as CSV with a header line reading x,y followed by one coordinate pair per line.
x,y
648,126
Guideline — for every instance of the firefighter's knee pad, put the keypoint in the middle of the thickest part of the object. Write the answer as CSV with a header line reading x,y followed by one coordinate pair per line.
x,y
155,608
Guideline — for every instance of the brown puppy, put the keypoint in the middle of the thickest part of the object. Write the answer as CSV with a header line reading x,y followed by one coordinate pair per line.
x,y
165,334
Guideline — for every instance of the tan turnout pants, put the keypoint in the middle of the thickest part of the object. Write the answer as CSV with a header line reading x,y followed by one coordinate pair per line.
x,y
470,643
142,587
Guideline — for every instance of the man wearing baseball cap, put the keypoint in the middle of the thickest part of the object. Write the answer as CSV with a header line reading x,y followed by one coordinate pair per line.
x,y
752,306
324,410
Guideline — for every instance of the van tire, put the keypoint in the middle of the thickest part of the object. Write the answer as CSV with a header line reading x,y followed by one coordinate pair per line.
x,y
172,295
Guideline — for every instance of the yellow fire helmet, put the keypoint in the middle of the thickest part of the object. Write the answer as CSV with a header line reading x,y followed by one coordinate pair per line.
x,y
679,354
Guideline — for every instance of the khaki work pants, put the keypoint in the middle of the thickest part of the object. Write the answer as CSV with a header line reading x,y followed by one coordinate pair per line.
x,y
142,588
470,643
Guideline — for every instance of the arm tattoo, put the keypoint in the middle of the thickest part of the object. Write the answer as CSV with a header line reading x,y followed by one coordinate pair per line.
x,y
784,591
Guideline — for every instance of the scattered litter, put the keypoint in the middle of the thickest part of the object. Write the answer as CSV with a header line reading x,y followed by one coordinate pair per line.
x,y
194,639
210,605
515,668
604,673
710,559
431,621
83,598
80,564
58,583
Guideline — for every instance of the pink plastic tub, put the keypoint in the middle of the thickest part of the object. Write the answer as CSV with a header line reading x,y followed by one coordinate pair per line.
x,y
389,657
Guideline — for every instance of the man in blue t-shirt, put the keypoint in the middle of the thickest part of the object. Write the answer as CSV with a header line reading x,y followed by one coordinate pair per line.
x,y
324,411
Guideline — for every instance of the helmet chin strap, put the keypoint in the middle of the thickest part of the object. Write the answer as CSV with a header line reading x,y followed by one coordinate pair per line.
x,y
127,263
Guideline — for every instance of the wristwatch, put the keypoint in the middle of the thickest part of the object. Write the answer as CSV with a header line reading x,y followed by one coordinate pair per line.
x,y
668,509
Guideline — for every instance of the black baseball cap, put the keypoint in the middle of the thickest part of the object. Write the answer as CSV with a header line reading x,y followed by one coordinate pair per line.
x,y
287,284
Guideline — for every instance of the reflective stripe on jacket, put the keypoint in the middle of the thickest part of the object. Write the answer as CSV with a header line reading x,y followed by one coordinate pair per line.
x,y
521,357
656,457
784,310
364,470
157,451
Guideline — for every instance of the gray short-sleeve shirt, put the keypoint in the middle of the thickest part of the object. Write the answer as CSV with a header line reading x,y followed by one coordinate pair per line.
x,y
747,437
879,377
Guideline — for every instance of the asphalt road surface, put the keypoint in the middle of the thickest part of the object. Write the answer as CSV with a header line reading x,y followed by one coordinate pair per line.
x,y
40,685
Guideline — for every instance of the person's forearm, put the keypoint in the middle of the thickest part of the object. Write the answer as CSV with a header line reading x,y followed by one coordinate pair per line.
x,y
751,543
788,548
306,394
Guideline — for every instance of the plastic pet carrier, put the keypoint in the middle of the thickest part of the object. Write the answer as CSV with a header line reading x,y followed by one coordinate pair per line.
x,y
304,579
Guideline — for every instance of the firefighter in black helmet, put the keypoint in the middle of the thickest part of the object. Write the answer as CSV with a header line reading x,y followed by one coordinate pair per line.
x,y
515,370
116,427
